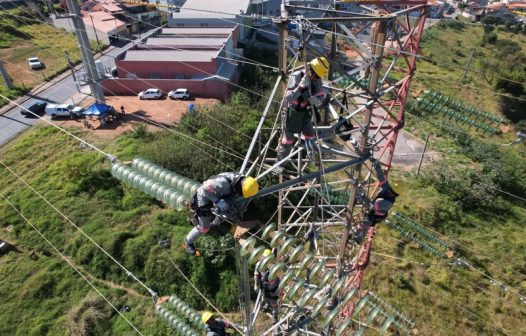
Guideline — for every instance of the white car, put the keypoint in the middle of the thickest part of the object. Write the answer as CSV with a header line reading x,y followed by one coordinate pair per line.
x,y
34,63
63,110
179,94
150,94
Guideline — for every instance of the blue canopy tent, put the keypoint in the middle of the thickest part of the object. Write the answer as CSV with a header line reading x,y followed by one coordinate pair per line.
x,y
97,110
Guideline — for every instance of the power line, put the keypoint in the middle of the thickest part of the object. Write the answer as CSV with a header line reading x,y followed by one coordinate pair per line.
x,y
128,273
159,125
418,56
58,127
261,64
70,264
488,323
473,87
198,69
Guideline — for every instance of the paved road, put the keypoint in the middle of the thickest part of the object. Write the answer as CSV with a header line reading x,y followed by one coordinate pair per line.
x,y
62,89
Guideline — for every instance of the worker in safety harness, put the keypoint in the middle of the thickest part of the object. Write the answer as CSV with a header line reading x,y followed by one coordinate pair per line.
x,y
217,193
269,287
217,327
378,208
304,90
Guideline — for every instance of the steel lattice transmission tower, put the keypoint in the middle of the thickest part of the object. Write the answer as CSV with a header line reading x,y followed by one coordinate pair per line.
x,y
372,51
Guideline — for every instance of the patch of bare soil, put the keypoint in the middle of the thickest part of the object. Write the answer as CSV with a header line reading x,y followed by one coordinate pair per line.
x,y
163,111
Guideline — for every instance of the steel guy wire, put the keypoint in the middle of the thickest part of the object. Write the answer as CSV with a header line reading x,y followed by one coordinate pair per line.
x,y
71,264
128,273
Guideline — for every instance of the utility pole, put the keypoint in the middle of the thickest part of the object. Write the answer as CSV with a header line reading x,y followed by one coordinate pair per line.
x,y
378,40
469,62
5,75
422,157
87,56
95,31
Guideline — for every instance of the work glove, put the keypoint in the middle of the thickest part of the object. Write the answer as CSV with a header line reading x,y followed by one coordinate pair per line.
x,y
315,101
305,82
222,206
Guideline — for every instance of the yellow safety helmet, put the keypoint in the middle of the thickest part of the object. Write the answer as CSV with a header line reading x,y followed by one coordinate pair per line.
x,y
267,252
249,187
206,316
320,66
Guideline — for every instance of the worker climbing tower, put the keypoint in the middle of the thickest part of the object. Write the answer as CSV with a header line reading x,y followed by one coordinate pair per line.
x,y
320,254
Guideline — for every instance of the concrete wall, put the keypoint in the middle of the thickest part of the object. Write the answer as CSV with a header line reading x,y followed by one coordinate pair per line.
x,y
212,88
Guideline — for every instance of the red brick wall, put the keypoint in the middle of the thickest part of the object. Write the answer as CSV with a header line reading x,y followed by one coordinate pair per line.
x,y
203,89
167,70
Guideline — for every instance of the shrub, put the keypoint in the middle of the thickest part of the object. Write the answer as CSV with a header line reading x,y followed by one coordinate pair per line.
x,y
452,24
139,131
490,38
227,295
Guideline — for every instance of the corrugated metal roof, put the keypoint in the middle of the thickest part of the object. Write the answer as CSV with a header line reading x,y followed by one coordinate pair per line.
x,y
212,9
171,55
205,42
198,31
103,22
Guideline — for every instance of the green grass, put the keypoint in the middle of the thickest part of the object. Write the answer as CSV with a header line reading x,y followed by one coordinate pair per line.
x,y
21,37
451,49
78,182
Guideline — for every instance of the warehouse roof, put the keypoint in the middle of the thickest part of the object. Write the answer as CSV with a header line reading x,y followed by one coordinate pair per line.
x,y
201,9
192,42
198,31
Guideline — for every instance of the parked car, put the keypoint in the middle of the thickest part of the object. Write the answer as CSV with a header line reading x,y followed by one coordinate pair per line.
x,y
150,94
64,110
34,63
179,94
37,107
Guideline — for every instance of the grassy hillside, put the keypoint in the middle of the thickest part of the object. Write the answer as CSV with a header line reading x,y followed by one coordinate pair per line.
x,y
23,35
464,197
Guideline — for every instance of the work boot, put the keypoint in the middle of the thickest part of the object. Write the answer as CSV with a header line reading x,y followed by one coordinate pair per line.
x,y
190,248
360,232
